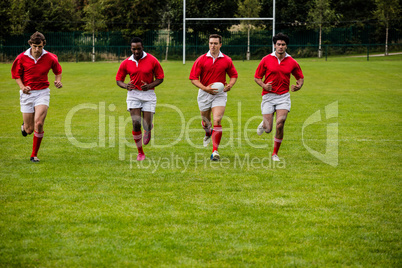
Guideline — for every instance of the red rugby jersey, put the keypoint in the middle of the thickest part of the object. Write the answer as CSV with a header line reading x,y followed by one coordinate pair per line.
x,y
35,73
208,71
146,69
278,72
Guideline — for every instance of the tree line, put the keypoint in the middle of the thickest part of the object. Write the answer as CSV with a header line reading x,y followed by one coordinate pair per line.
x,y
137,16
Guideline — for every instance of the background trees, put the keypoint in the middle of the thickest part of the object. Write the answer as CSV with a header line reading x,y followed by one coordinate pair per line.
x,y
386,12
320,15
137,16
249,9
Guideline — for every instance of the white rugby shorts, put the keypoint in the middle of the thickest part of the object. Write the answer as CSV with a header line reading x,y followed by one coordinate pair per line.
x,y
207,101
272,102
37,97
146,100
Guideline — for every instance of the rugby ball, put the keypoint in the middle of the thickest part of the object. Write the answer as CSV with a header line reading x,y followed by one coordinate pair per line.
x,y
219,86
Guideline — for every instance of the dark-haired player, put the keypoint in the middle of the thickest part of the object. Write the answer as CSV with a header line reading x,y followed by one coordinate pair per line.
x,y
276,69
207,69
145,74
30,70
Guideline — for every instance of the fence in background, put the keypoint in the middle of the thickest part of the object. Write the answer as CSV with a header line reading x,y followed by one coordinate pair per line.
x,y
119,53
77,46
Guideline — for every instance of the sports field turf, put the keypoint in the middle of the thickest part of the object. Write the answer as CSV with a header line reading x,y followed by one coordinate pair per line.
x,y
334,200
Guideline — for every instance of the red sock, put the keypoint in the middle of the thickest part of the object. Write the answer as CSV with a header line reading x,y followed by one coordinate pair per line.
x,y
138,140
277,144
37,139
216,137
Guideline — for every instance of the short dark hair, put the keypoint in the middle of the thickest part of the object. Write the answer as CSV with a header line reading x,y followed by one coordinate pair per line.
x,y
281,36
216,36
137,40
37,38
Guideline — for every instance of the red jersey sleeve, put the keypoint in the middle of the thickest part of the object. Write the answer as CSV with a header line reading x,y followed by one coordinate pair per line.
x,y
231,71
122,72
16,69
297,72
56,67
196,69
158,71
260,72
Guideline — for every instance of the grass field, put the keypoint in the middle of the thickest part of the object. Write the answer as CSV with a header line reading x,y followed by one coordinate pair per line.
x,y
334,200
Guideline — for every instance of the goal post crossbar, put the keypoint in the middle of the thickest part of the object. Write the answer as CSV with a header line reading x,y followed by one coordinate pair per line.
x,y
193,19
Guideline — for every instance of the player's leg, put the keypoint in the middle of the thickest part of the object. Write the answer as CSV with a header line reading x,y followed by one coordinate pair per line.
x,y
28,124
206,121
207,126
283,105
27,102
217,113
136,118
206,118
204,100
148,111
137,134
147,124
40,116
267,122
39,121
267,110
281,116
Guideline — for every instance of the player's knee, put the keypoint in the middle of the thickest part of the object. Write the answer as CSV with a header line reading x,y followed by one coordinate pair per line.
x,y
217,122
29,130
136,125
268,130
206,124
280,125
39,125
147,126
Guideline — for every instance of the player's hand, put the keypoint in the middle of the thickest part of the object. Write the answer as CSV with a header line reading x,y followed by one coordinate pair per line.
x,y
210,90
296,87
130,86
227,88
26,90
144,86
268,86
58,84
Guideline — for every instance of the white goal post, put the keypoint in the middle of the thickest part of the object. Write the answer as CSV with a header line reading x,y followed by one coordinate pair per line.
x,y
186,19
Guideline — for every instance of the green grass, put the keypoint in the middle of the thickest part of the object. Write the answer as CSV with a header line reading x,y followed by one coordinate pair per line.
x,y
97,206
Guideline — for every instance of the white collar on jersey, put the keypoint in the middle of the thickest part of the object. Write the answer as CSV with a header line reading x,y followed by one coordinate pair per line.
x,y
28,53
144,54
286,55
210,55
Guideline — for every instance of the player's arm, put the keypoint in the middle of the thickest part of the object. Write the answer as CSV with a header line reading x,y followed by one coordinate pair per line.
x,y
57,81
299,84
267,86
155,83
207,89
25,89
127,86
229,86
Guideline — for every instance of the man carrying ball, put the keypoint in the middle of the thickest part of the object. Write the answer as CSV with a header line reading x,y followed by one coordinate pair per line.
x,y
277,68
210,68
145,74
